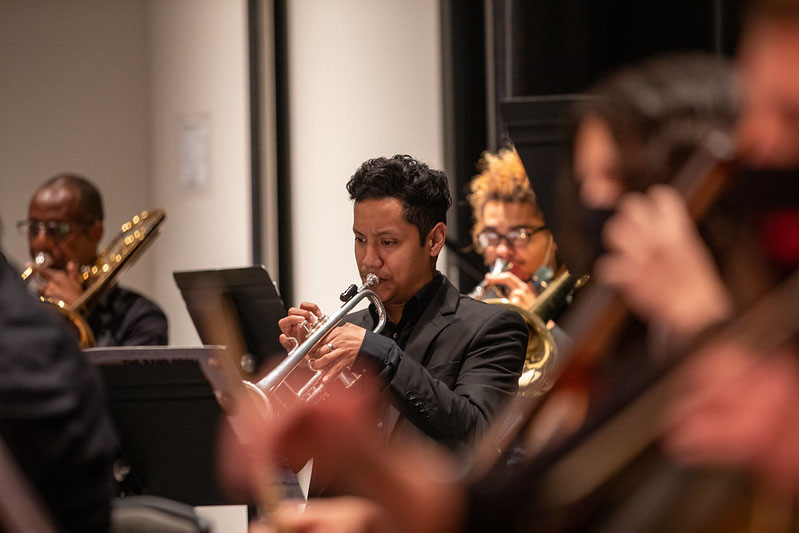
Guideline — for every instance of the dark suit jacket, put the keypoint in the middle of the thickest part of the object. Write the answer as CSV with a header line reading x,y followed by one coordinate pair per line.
x,y
126,318
460,365
52,410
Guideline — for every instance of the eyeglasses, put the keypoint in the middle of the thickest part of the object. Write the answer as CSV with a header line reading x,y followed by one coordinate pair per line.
x,y
55,229
516,237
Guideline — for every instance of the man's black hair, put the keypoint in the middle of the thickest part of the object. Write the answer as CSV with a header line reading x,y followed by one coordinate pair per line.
x,y
89,201
422,191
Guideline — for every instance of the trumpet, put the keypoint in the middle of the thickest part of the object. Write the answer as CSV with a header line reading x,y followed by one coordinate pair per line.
x,y
274,387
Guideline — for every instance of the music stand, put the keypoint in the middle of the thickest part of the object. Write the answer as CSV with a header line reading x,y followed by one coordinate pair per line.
x,y
165,404
251,296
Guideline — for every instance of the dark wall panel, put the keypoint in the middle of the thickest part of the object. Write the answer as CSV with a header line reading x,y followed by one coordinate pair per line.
x,y
541,55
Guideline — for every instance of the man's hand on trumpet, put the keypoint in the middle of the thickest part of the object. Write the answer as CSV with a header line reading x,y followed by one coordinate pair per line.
x,y
338,350
297,323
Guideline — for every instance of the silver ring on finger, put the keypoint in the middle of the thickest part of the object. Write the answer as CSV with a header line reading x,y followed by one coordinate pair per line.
x,y
330,345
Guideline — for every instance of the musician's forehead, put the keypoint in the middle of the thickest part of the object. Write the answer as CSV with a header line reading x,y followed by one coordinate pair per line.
x,y
510,215
380,216
55,203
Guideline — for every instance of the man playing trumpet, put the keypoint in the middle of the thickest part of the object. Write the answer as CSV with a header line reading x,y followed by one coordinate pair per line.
x,y
445,362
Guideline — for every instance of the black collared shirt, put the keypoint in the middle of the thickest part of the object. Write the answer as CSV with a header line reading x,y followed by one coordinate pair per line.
x,y
126,318
382,352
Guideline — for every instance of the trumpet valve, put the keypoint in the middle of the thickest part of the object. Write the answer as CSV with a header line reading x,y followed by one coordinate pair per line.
x,y
321,320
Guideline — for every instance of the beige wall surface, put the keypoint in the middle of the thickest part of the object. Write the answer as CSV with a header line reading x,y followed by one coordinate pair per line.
x,y
365,81
111,88
104,88
74,97
198,73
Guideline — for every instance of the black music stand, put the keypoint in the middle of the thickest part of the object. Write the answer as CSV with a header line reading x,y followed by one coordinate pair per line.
x,y
165,404
251,295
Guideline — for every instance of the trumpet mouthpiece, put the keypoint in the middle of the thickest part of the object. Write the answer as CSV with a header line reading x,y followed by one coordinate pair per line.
x,y
370,281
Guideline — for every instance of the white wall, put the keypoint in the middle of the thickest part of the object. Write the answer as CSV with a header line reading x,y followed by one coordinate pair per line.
x,y
74,97
365,81
198,68
101,87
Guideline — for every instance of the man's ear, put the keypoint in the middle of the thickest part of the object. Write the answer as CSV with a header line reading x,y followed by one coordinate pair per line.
x,y
436,238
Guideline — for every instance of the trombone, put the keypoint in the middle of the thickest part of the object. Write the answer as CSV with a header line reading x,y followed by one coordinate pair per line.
x,y
541,357
135,236
542,352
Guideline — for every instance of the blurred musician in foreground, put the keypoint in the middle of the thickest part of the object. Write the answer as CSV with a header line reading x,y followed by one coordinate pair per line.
x,y
642,125
509,226
736,407
52,412
446,363
640,128
65,226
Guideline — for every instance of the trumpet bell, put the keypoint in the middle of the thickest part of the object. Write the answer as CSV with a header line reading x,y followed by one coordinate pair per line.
x,y
541,358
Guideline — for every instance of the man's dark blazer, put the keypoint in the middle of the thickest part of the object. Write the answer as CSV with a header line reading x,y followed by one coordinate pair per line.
x,y
460,366
126,318
52,410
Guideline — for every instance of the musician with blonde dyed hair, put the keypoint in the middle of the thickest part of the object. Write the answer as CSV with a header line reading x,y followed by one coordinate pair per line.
x,y
510,226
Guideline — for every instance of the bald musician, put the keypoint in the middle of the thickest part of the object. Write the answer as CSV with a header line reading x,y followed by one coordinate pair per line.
x,y
65,226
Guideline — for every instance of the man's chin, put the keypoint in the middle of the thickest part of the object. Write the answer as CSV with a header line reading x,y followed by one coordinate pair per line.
x,y
383,293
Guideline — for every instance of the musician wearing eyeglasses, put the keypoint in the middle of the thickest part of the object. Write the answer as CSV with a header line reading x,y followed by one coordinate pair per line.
x,y
446,362
64,228
510,227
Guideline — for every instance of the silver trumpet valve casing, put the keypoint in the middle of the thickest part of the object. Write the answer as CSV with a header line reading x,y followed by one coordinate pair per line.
x,y
318,330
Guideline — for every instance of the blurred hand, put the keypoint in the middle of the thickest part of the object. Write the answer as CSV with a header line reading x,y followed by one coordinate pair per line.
x,y
292,324
330,515
62,285
350,458
333,431
519,292
658,262
732,409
